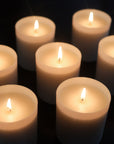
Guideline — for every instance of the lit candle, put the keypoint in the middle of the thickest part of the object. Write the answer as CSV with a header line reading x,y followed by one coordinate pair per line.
x,y
55,62
81,109
32,32
18,114
105,62
88,27
8,65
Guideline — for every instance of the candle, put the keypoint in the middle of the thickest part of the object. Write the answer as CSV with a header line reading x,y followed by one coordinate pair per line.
x,y
88,27
8,65
18,115
32,32
105,62
81,109
55,62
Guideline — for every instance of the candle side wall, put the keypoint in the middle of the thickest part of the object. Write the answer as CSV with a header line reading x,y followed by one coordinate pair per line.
x,y
105,73
78,131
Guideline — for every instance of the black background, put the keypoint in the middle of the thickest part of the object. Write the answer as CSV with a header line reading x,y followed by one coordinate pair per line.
x,y
60,11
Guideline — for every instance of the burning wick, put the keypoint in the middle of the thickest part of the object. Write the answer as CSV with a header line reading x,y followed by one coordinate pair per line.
x,y
83,95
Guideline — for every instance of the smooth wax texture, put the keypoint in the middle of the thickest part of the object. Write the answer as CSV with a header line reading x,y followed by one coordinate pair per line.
x,y
29,40
19,124
51,72
80,121
86,34
8,65
105,62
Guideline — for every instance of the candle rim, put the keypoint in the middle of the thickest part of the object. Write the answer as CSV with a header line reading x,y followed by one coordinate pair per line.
x,y
9,126
83,116
60,70
101,48
8,50
108,20
33,18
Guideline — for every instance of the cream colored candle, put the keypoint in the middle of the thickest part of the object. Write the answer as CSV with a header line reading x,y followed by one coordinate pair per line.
x,y
32,32
8,65
18,114
55,62
82,105
105,62
88,27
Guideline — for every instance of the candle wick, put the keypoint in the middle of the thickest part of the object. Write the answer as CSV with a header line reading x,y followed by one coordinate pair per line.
x,y
9,110
90,23
59,60
36,30
82,100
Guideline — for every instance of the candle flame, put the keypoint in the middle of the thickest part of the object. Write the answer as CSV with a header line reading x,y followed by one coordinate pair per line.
x,y
9,104
60,54
91,17
36,25
83,94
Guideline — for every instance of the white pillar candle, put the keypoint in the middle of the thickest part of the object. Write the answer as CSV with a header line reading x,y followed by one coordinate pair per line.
x,y
8,65
88,27
105,62
32,32
55,62
18,114
82,105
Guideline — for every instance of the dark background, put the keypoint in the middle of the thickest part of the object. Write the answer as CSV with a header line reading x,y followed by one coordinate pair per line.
x,y
60,11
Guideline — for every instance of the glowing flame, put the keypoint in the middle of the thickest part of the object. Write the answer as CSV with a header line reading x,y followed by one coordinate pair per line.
x,y
60,54
91,17
9,104
83,94
36,25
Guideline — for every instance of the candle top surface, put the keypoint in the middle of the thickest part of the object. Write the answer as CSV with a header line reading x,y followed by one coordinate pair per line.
x,y
48,55
50,58
99,21
7,57
28,29
93,102
35,26
70,102
18,107
22,107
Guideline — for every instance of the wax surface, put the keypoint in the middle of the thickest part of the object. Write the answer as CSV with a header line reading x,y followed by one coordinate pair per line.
x,y
98,22
109,49
6,60
22,107
51,70
94,100
82,105
86,33
28,29
50,58
105,62
29,38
